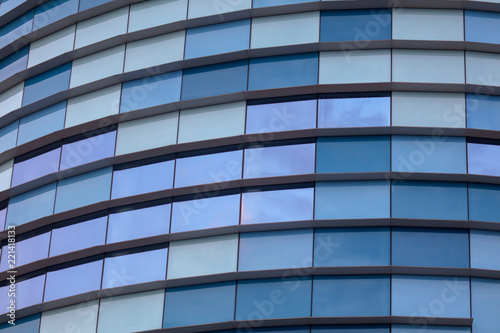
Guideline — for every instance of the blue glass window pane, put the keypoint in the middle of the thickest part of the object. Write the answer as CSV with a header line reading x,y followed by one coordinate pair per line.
x,y
26,251
31,205
206,213
143,179
277,206
151,91
275,250
429,200
273,298
88,150
355,25
430,296
428,154
484,159
24,325
84,278
138,223
351,329
217,39
484,249
14,63
52,11
353,154
8,136
484,202
211,168
41,123
16,28
430,247
279,161
354,112
84,189
283,71
46,84
36,167
276,117
269,3
87,4
485,305
352,247
29,292
134,268
78,236
352,199
8,5
482,27
339,296
429,329
483,112
203,304
3,215
215,80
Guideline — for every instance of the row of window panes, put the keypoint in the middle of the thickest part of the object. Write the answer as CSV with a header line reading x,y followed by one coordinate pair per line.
x,y
288,297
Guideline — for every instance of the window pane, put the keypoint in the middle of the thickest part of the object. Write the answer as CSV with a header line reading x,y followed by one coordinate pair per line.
x,y
147,133
119,313
151,91
41,123
482,68
212,122
36,167
301,28
88,150
279,161
47,83
216,168
429,200
352,247
55,44
11,99
78,236
23,325
428,24
283,71
6,174
360,67
277,206
354,112
484,159
350,296
273,298
275,250
15,29
430,296
430,247
87,4
138,223
435,66
153,13
483,112
428,154
352,200
484,246
269,3
53,11
484,202
27,251
14,63
276,117
351,329
31,205
142,179
28,292
203,304
428,109
198,8
214,80
101,27
485,304
8,136
353,154
355,25
217,39
481,26
134,268
429,329
59,320
84,278
202,256
206,213
83,190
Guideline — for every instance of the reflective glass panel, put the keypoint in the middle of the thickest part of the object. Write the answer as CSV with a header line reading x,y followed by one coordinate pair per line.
x,y
41,123
484,247
482,27
8,136
354,112
54,10
26,251
351,329
483,112
88,150
483,159
428,24
28,292
17,28
47,83
78,236
82,317
23,325
484,202
485,305
14,63
429,329
36,167
31,205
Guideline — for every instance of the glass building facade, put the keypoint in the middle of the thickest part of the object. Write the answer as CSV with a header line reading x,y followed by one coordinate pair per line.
x,y
291,166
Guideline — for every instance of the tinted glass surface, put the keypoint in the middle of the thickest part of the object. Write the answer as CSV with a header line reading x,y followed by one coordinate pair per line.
x,y
485,302
14,63
88,150
483,111
482,27
36,167
47,83
354,112
484,159
78,236
355,25
52,11
41,123
484,202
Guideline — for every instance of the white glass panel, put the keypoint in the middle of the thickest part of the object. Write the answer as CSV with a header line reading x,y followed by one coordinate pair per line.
x,y
212,122
483,68
81,318
102,27
290,29
5,175
11,99
51,46
199,8
355,67
155,51
97,104
147,133
153,13
428,24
